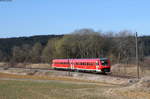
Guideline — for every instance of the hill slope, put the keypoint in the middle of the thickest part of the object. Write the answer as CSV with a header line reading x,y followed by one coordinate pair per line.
x,y
6,44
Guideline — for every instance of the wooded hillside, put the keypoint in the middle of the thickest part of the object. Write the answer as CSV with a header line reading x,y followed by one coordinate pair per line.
x,y
7,44
84,43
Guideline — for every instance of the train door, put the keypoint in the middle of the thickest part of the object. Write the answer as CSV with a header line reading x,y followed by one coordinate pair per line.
x,y
72,65
97,66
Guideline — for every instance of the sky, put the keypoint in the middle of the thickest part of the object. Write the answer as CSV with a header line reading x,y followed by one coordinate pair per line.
x,y
46,17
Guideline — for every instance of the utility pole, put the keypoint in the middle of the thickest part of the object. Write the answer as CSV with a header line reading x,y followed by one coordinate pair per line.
x,y
137,56
69,73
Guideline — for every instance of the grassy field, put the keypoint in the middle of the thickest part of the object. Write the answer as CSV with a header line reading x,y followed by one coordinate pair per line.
x,y
14,89
15,86
40,87
43,87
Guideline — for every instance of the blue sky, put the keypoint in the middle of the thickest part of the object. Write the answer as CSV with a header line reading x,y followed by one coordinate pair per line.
x,y
42,17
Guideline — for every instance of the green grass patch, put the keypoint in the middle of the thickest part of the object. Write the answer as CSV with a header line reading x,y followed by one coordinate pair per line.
x,y
11,89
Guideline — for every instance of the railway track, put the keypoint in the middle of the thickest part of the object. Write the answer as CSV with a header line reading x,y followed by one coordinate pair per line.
x,y
50,69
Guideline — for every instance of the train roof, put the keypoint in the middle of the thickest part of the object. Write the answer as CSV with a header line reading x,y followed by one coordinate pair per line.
x,y
81,59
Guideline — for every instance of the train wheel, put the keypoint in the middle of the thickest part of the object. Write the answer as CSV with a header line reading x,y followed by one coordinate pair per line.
x,y
104,73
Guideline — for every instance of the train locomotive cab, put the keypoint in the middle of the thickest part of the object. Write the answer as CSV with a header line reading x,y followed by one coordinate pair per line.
x,y
104,65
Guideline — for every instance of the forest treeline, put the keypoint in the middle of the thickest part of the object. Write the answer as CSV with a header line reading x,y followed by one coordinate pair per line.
x,y
84,43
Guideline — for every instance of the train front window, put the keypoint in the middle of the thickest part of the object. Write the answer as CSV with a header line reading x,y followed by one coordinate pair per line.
x,y
104,62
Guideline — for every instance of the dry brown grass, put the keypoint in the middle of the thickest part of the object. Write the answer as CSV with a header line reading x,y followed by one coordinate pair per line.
x,y
3,64
129,70
38,65
138,90
25,65
5,75
136,94
129,93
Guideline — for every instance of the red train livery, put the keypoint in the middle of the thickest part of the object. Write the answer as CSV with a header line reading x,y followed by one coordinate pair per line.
x,y
94,65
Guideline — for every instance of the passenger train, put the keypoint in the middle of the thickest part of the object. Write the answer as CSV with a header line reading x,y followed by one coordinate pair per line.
x,y
93,65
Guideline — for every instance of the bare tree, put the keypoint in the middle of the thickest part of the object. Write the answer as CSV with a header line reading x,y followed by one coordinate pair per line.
x,y
49,52
36,53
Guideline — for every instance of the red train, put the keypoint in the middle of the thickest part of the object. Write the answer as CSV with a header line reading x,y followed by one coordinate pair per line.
x,y
92,65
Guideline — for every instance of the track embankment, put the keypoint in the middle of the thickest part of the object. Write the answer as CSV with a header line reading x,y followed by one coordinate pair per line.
x,y
50,74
